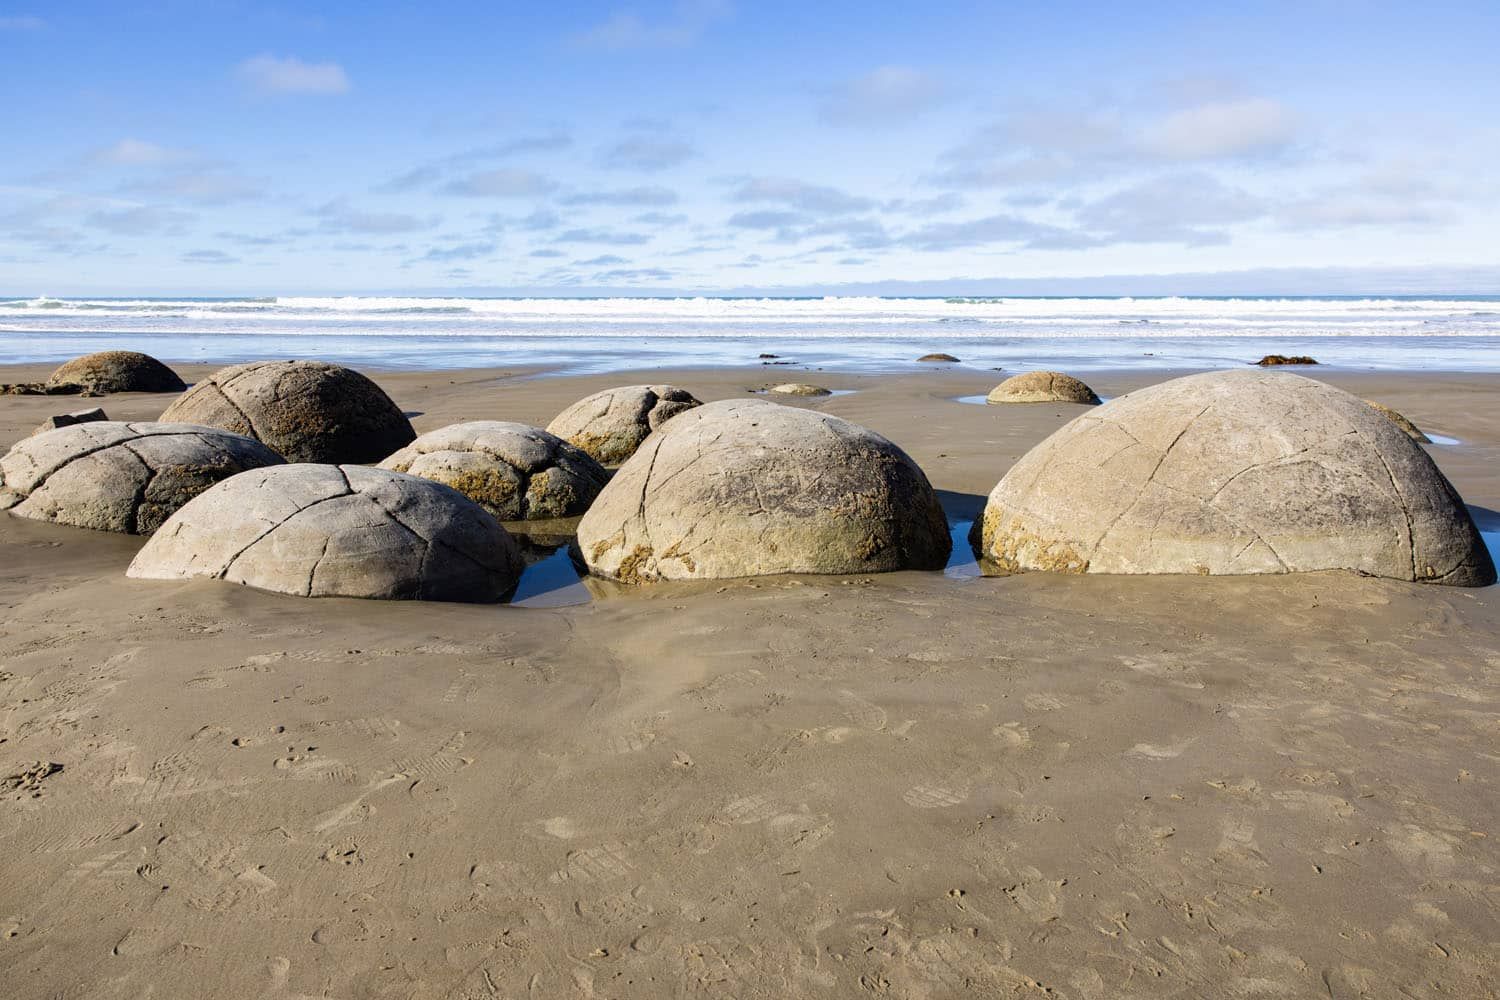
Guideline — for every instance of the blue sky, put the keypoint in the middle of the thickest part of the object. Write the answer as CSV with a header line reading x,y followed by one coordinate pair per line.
x,y
220,147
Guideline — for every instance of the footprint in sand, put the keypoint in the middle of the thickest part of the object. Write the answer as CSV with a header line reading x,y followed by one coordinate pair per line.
x,y
862,712
750,809
933,796
601,863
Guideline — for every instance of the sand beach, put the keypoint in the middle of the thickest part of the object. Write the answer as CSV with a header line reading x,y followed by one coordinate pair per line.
x,y
909,784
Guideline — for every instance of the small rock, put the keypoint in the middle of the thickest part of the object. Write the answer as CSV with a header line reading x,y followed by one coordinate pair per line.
x,y
939,357
800,389
1271,360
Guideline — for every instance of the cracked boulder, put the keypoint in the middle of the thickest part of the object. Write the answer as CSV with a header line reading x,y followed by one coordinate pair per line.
x,y
514,471
1232,473
747,487
337,531
115,476
117,371
611,425
1042,387
309,411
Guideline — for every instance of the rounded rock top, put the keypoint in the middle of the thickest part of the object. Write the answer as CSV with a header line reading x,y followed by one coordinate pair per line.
x,y
939,357
747,487
127,477
117,371
800,389
309,411
337,531
1042,387
1411,430
1232,473
514,471
611,424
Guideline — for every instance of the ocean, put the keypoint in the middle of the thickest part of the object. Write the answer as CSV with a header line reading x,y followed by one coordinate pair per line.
x,y
1460,333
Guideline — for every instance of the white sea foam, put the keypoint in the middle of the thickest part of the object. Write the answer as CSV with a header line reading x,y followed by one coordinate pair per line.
x,y
1086,332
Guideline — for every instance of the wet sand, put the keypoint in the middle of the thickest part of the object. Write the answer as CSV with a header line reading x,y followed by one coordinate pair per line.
x,y
909,785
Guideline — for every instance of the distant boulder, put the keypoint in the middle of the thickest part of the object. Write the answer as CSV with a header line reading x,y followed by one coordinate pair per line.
x,y
800,389
1042,387
939,357
337,531
126,477
514,471
1272,360
309,411
117,371
747,487
1231,473
610,425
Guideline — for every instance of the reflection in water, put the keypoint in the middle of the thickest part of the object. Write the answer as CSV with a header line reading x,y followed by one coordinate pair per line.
x,y
983,400
550,582
1441,439
961,564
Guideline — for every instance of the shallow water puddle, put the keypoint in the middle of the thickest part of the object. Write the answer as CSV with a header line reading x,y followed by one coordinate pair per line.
x,y
961,563
551,583
1442,439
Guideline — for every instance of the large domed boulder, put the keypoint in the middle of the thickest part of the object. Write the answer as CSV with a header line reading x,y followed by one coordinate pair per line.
x,y
337,531
748,487
309,411
610,425
117,371
1042,387
114,476
1232,472
513,471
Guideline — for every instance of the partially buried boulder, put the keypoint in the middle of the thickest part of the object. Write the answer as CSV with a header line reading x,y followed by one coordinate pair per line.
x,y
939,357
514,471
309,411
1042,387
117,371
57,420
1229,473
800,389
1277,360
127,477
748,487
337,531
610,425
1411,430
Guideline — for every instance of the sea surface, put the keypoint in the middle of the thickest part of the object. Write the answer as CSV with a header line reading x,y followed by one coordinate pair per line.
x,y
852,333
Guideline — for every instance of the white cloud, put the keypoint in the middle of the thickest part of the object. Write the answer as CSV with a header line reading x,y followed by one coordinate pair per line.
x,y
138,153
801,195
1226,128
626,30
889,94
202,187
341,217
646,153
504,183
140,221
268,74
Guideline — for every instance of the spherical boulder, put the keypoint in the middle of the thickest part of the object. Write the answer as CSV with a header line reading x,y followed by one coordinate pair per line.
x,y
514,471
1042,387
117,371
747,487
1230,473
127,477
1410,429
800,389
309,411
337,531
610,425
